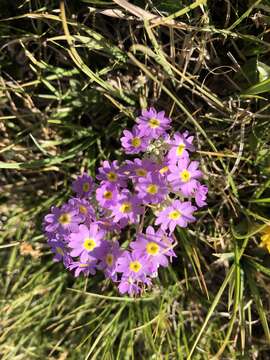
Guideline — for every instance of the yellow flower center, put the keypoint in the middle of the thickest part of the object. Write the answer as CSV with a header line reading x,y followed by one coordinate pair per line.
x,y
180,149
89,244
152,189
174,215
109,259
136,142
152,248
64,219
59,251
111,176
107,195
141,172
163,170
86,187
82,209
185,175
135,266
154,123
126,207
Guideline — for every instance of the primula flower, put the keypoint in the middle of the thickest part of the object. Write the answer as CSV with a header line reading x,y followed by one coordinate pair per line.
x,y
140,168
107,195
129,285
152,189
108,254
85,242
86,268
183,176
132,142
112,174
200,194
179,147
58,247
132,265
265,238
83,186
152,123
178,213
155,246
85,210
128,208
108,224
64,220
82,233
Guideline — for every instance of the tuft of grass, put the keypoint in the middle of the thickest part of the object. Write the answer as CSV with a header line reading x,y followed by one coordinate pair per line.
x,y
73,75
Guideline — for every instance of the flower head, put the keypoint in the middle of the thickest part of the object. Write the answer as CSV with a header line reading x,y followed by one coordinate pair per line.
x,y
85,268
200,194
59,248
129,285
128,208
85,242
63,220
155,246
183,176
84,208
132,265
108,254
83,185
82,233
133,142
178,213
180,146
140,168
107,195
153,124
152,189
112,173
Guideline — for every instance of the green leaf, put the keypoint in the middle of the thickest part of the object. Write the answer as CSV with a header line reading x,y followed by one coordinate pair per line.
x,y
264,71
259,88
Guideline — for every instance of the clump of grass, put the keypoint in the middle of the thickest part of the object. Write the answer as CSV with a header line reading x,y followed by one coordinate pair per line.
x,y
71,79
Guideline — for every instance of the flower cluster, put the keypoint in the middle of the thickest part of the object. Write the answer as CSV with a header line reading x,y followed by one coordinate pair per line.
x,y
160,188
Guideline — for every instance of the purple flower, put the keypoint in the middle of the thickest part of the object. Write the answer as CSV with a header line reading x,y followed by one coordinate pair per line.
x,y
58,247
129,285
180,145
183,176
155,246
86,268
112,173
152,189
140,168
128,208
85,210
83,185
200,194
107,195
85,242
152,123
132,265
63,220
108,224
133,142
178,213
108,254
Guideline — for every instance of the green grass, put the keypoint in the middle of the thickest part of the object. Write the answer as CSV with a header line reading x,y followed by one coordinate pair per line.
x,y
71,79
